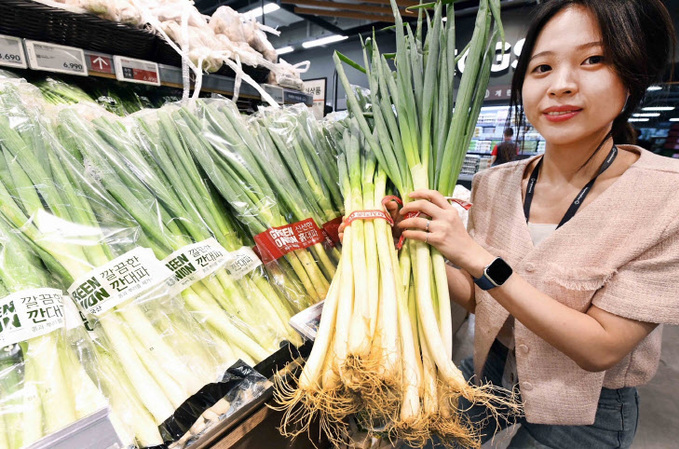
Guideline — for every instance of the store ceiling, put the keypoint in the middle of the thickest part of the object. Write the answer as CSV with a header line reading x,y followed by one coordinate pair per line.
x,y
649,114
304,20
345,17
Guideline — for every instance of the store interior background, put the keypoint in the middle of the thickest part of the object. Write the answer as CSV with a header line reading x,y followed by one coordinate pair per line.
x,y
307,20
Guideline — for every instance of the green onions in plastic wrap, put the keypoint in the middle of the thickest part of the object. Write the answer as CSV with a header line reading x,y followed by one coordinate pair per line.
x,y
243,168
88,241
177,213
43,387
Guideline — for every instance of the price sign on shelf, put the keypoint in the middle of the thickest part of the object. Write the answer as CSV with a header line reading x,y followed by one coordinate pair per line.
x,y
56,58
12,52
136,71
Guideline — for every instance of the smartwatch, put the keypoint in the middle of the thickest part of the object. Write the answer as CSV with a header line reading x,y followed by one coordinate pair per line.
x,y
494,275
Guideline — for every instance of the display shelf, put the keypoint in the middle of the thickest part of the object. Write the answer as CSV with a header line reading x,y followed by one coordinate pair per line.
x,y
49,57
92,432
490,128
525,154
256,417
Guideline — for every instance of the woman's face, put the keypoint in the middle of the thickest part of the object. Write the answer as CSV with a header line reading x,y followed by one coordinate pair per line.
x,y
571,94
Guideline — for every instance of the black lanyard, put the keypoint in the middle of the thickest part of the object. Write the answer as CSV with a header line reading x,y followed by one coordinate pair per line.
x,y
530,191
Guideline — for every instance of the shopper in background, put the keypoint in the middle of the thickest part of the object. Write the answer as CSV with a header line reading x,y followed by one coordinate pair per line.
x,y
505,151
571,259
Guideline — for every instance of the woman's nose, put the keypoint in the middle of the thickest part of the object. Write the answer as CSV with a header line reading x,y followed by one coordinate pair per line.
x,y
563,83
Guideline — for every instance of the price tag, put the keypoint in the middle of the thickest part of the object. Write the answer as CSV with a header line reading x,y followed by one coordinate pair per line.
x,y
56,58
136,71
12,52
307,321
290,97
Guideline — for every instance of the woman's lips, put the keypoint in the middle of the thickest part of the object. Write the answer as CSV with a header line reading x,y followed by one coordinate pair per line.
x,y
561,113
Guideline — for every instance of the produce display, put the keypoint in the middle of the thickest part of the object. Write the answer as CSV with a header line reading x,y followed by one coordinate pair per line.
x,y
117,98
383,351
167,244
124,213
90,243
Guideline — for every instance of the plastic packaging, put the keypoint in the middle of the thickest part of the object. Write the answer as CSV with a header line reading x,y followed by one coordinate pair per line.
x,y
43,387
220,279
265,199
239,386
88,241
300,145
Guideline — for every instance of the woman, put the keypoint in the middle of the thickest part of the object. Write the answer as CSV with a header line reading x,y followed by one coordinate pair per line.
x,y
575,254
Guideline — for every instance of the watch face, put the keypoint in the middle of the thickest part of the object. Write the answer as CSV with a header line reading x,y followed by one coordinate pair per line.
x,y
499,271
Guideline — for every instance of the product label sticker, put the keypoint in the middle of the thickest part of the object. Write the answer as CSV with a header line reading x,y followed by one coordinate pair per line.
x,y
194,262
307,321
30,313
241,262
125,277
72,316
331,230
275,243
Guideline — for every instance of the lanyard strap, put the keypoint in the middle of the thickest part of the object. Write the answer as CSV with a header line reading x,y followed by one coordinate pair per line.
x,y
530,191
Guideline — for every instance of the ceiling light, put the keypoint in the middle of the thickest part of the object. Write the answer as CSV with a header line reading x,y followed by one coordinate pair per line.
x,y
652,88
257,12
647,114
638,119
675,119
659,108
290,49
323,41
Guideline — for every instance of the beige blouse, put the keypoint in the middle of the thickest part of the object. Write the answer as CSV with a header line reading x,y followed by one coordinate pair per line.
x,y
620,253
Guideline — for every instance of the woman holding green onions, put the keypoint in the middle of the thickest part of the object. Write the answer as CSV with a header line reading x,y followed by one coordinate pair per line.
x,y
570,259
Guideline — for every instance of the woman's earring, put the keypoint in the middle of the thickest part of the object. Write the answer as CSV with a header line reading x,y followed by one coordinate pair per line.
x,y
625,105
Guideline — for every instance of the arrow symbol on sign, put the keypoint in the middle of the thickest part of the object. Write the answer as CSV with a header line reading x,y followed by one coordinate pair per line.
x,y
101,61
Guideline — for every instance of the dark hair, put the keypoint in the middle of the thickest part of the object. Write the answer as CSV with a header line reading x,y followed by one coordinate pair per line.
x,y
509,132
638,40
506,152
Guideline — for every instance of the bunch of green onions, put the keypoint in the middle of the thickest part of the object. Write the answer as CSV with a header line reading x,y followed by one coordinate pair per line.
x,y
301,146
401,378
363,361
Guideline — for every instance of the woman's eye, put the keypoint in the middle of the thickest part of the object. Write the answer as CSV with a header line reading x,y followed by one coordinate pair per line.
x,y
598,59
542,68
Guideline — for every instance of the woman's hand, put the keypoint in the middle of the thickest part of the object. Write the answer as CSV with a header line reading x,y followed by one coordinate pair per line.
x,y
439,225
